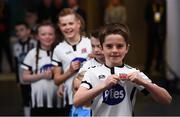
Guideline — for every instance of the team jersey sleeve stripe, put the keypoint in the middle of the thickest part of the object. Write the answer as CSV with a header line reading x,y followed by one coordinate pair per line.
x,y
145,92
132,93
25,66
86,84
56,63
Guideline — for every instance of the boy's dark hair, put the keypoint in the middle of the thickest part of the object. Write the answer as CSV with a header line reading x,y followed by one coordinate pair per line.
x,y
114,28
95,33
21,23
31,10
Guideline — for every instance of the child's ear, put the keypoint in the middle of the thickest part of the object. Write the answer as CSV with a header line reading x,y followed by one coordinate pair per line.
x,y
29,31
36,37
58,24
127,48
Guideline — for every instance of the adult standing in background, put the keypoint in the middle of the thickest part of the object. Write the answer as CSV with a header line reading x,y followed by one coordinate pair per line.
x,y
4,34
45,11
58,6
115,12
155,16
74,4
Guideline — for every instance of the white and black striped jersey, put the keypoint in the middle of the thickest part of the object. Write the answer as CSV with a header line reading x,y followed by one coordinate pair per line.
x,y
118,100
64,54
43,92
20,49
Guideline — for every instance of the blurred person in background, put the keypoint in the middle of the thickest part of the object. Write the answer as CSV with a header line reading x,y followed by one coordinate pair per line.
x,y
115,12
45,11
58,6
155,16
21,47
74,4
31,18
4,35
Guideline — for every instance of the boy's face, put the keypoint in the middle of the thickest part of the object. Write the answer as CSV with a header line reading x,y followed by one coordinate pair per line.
x,y
69,26
22,31
114,49
31,18
96,48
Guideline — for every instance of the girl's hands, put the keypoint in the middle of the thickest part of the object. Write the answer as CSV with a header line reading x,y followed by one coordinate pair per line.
x,y
48,74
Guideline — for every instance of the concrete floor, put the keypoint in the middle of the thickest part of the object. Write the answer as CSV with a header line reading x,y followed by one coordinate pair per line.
x,y
10,101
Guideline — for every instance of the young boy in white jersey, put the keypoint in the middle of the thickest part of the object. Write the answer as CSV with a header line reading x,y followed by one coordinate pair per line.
x,y
38,71
69,55
98,57
97,60
112,86
21,47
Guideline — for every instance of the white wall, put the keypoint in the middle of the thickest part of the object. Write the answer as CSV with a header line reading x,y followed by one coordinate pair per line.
x,y
173,37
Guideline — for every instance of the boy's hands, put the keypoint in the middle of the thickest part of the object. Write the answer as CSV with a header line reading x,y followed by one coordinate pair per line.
x,y
74,66
111,81
135,77
114,79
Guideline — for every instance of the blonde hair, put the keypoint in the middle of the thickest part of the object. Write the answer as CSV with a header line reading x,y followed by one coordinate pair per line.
x,y
69,11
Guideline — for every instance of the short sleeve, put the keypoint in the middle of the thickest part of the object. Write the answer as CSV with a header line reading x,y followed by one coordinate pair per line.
x,y
140,87
29,61
55,58
87,81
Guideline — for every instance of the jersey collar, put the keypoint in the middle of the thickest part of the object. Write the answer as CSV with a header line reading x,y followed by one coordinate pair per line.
x,y
25,42
75,45
112,69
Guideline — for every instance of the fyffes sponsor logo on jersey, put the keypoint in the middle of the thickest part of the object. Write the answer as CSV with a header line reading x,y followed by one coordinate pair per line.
x,y
114,95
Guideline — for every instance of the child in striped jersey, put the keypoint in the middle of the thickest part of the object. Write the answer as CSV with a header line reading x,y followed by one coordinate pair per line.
x,y
38,71
21,47
112,87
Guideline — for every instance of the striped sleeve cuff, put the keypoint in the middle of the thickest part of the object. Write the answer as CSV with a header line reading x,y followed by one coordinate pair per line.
x,y
86,84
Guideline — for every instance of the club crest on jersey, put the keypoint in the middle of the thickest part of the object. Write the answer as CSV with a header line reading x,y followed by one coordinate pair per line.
x,y
84,50
114,95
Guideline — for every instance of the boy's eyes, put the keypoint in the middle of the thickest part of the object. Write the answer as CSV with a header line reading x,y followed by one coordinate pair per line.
x,y
117,46
20,30
98,46
43,34
70,23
